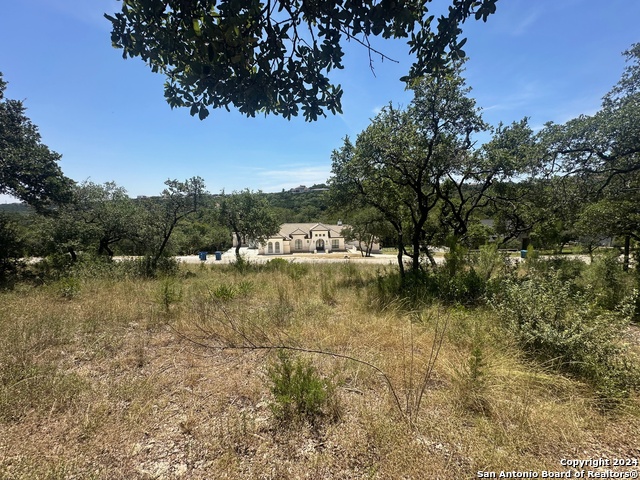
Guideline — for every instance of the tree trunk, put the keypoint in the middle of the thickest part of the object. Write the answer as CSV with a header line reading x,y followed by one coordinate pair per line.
x,y
162,247
72,252
370,245
238,243
415,260
400,248
104,247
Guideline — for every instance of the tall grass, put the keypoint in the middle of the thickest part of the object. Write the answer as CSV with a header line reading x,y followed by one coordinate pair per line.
x,y
118,380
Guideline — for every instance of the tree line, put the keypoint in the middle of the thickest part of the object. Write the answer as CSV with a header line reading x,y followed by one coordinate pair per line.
x,y
419,171
415,177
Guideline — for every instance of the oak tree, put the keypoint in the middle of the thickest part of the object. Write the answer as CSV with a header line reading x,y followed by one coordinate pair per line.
x,y
29,170
249,216
400,164
274,56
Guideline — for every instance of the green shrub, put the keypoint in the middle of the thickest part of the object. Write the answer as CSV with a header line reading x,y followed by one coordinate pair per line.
x,y
144,267
606,280
328,291
297,270
169,292
571,332
53,267
299,393
471,381
294,270
68,287
490,262
244,288
242,265
464,286
224,292
277,264
386,289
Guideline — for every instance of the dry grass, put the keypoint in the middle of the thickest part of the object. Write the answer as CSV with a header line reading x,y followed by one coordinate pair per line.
x,y
115,381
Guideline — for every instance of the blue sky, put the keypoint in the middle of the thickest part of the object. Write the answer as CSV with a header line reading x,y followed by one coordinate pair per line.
x,y
550,60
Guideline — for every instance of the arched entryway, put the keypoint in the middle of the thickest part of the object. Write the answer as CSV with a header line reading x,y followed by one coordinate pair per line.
x,y
320,245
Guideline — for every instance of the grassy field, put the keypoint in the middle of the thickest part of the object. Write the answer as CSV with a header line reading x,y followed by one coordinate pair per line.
x,y
174,378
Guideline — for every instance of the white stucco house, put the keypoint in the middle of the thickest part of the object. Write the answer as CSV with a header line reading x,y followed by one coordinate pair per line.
x,y
305,238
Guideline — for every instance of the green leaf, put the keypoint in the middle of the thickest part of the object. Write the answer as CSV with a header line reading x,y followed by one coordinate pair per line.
x,y
203,113
196,27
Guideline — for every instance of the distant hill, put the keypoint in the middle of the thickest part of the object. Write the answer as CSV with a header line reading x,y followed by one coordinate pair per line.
x,y
14,208
308,206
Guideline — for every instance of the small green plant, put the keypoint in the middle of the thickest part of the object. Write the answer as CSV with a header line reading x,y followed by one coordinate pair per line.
x,y
283,309
472,380
169,292
489,262
68,287
224,293
532,253
299,393
244,288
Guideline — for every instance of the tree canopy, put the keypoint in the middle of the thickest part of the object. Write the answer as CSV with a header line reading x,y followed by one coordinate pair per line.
x,y
178,201
605,145
400,162
249,216
420,163
28,169
274,56
601,152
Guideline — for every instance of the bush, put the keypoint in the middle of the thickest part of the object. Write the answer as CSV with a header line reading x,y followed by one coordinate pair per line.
x,y
224,293
68,287
490,262
277,264
571,332
606,279
297,270
242,265
300,394
569,269
471,381
464,286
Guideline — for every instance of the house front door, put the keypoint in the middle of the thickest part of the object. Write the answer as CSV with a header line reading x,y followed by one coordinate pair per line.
x,y
320,245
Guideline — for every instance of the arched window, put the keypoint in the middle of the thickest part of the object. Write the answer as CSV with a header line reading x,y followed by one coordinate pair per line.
x,y
277,247
298,244
270,247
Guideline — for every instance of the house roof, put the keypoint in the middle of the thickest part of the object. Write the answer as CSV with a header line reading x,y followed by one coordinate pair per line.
x,y
288,229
